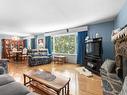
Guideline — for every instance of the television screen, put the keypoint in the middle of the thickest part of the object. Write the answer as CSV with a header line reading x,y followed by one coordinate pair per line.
x,y
93,49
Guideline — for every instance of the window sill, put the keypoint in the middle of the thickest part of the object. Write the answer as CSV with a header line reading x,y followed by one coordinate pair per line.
x,y
64,54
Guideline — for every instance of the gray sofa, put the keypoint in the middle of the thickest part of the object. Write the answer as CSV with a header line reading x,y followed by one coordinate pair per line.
x,y
38,57
112,84
8,86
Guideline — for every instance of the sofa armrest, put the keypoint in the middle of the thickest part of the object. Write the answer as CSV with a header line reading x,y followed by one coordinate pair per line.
x,y
49,54
5,79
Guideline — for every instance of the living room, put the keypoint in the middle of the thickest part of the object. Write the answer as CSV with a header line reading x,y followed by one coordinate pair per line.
x,y
54,48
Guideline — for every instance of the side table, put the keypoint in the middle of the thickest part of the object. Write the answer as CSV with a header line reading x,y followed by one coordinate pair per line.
x,y
59,59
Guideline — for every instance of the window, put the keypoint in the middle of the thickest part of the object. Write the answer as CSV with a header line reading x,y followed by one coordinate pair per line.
x,y
64,44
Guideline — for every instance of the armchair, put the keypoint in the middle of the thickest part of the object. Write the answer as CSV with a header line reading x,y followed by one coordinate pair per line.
x,y
2,70
4,66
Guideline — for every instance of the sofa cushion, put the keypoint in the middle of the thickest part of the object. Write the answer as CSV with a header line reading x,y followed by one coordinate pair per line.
x,y
13,88
44,53
108,65
35,54
5,79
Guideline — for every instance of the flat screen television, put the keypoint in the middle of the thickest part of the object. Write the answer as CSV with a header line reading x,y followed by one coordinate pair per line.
x,y
93,48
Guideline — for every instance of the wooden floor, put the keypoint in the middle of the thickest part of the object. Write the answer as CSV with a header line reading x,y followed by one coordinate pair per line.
x,y
79,84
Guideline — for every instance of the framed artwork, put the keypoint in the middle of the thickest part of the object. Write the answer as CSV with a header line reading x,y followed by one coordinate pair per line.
x,y
40,44
40,41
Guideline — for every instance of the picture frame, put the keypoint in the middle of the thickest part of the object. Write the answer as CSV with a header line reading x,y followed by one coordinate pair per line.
x,y
40,43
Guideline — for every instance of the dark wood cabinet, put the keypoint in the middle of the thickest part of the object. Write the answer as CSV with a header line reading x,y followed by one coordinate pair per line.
x,y
9,44
93,55
93,64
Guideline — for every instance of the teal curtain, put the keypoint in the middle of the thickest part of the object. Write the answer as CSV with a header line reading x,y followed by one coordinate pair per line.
x,y
48,44
25,43
33,43
81,47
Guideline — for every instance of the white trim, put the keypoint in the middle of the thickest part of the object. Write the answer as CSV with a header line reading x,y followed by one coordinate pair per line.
x,y
64,31
65,34
78,29
63,54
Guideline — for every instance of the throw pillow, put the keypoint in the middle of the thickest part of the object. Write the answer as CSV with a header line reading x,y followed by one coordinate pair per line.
x,y
108,65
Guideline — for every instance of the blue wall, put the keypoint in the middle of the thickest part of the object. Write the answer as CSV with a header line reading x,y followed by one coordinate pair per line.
x,y
105,31
121,19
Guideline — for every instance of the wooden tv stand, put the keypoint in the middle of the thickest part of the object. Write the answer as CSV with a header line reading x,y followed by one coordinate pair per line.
x,y
93,64
93,54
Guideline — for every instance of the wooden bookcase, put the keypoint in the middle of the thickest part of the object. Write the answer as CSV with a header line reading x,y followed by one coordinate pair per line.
x,y
8,45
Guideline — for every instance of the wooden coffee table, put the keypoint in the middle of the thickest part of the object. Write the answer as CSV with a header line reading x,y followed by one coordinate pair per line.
x,y
54,84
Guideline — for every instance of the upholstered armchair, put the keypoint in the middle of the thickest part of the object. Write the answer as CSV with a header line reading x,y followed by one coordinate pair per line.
x,y
112,84
3,65
2,70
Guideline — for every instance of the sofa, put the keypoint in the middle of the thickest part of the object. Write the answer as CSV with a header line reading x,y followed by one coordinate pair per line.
x,y
8,86
111,83
38,57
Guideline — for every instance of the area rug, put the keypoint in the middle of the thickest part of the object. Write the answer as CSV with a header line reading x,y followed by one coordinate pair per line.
x,y
84,71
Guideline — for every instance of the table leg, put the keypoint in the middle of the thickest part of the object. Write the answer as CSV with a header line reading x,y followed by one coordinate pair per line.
x,y
16,56
68,88
65,60
58,92
24,79
65,90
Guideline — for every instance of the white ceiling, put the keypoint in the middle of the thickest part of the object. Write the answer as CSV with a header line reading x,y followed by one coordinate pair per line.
x,y
24,17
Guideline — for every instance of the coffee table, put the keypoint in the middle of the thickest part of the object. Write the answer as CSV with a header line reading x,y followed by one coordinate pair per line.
x,y
51,83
